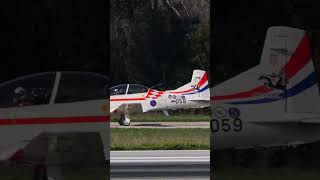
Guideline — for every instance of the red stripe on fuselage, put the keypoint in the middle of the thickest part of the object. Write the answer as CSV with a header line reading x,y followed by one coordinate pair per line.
x,y
178,92
297,61
203,80
127,99
53,120
255,91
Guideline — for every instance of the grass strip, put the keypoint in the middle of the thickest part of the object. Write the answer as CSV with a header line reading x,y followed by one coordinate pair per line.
x,y
160,139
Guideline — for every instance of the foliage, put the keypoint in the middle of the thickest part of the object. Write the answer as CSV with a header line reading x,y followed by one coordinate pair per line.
x,y
239,31
149,44
199,44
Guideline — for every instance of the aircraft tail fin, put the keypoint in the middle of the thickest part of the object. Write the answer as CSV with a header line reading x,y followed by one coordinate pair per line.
x,y
198,87
287,60
286,73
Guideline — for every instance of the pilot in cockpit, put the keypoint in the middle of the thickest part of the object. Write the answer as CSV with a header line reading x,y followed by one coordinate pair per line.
x,y
21,97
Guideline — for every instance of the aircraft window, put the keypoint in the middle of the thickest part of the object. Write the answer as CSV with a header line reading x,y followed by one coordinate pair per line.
x,y
27,90
82,86
118,90
137,88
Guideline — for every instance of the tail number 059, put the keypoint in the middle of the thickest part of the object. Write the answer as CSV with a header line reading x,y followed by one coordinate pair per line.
x,y
226,125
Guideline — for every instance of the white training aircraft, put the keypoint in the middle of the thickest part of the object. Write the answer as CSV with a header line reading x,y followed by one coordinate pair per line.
x,y
133,98
276,103
35,108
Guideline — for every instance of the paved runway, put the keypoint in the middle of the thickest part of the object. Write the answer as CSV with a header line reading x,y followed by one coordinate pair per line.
x,y
160,165
165,125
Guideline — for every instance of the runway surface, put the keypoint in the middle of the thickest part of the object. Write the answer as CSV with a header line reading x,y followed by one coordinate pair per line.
x,y
164,125
178,164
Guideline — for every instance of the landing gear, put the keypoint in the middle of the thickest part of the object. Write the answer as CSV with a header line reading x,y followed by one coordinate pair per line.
x,y
124,120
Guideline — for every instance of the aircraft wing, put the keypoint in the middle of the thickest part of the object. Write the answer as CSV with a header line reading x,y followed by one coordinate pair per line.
x,y
66,144
20,151
128,108
12,153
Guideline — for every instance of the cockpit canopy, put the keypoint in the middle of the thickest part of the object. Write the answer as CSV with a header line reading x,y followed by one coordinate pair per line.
x,y
52,88
124,89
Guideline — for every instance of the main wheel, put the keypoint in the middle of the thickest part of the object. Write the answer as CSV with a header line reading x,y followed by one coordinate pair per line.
x,y
124,121
121,120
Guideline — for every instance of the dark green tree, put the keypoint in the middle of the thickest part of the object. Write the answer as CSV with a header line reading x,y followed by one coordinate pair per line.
x,y
198,40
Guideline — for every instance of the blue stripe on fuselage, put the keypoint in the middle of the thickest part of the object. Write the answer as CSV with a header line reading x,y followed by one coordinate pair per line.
x,y
199,91
308,82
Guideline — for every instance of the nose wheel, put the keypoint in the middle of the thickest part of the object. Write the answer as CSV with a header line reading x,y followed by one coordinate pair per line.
x,y
124,120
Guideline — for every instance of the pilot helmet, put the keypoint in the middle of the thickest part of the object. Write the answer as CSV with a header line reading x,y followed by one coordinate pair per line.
x,y
20,91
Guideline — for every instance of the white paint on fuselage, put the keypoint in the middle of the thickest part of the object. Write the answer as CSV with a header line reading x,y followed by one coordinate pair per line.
x,y
15,136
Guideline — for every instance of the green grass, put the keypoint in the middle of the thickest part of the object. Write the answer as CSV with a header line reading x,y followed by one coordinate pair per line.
x,y
267,174
156,117
160,139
